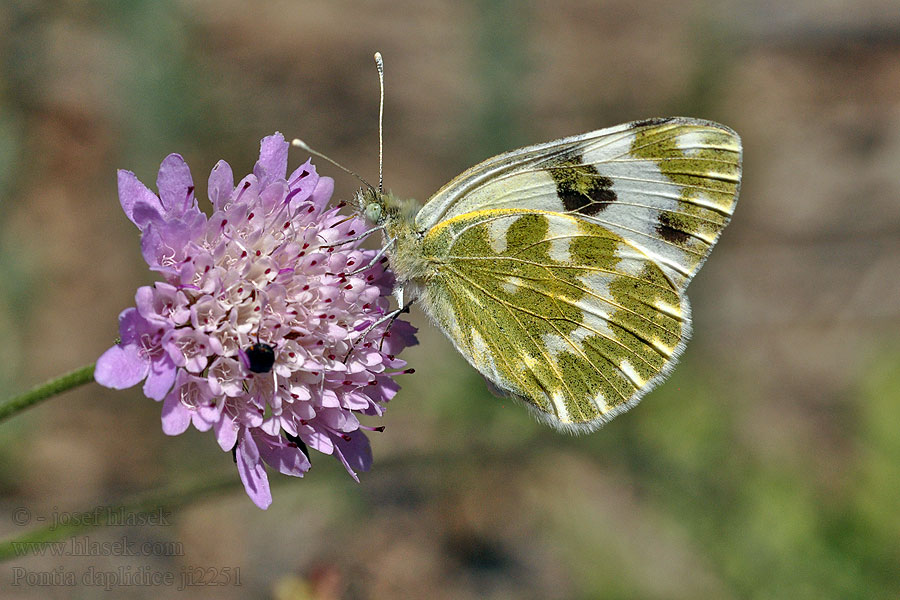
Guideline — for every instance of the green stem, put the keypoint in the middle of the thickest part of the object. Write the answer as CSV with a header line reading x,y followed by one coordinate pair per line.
x,y
46,390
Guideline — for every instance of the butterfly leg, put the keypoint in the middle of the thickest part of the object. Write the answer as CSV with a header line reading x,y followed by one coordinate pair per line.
x,y
361,236
394,315
389,318
374,260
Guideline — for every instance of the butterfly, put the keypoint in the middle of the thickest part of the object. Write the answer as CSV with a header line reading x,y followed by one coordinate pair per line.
x,y
559,270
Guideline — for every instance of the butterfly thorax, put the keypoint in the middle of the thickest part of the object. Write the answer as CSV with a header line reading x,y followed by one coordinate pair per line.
x,y
397,218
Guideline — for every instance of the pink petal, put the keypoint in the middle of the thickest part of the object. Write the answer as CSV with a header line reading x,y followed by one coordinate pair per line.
x,y
354,454
226,432
273,159
288,459
175,185
175,416
297,178
272,195
160,378
134,195
121,367
252,472
403,335
248,187
221,184
322,193
316,440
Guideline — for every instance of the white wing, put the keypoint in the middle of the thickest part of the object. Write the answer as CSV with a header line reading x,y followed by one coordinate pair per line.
x,y
667,186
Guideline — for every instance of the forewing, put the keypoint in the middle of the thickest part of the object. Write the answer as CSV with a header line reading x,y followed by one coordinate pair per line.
x,y
555,310
667,186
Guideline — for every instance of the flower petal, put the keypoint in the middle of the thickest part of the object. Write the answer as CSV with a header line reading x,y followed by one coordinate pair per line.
x,y
403,335
151,245
355,453
287,458
176,417
248,187
304,175
121,367
226,431
132,327
160,378
253,474
175,185
273,159
134,196
221,184
322,192
302,183
272,195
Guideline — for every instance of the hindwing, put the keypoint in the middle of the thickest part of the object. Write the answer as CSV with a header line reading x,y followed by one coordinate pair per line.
x,y
554,309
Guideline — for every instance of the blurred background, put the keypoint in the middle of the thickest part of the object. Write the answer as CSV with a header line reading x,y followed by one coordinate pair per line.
x,y
768,466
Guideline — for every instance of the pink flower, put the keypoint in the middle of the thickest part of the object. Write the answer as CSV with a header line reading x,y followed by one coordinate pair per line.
x,y
261,330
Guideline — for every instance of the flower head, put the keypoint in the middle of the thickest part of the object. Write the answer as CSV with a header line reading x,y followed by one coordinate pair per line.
x,y
269,325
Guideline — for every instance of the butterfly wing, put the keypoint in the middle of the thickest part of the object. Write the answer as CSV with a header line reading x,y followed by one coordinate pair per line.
x,y
558,270
668,186
555,310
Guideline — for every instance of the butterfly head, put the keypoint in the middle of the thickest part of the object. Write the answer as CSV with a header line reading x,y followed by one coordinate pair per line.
x,y
380,208
371,204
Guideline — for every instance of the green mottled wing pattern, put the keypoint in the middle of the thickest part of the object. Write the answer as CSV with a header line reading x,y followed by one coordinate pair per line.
x,y
558,270
668,186
554,310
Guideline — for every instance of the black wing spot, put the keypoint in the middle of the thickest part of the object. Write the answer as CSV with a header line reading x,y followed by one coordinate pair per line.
x,y
672,228
580,186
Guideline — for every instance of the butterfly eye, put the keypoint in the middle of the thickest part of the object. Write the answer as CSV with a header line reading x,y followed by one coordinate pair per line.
x,y
373,212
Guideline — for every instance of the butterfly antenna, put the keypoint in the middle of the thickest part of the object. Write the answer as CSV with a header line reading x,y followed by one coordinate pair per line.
x,y
379,64
298,143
